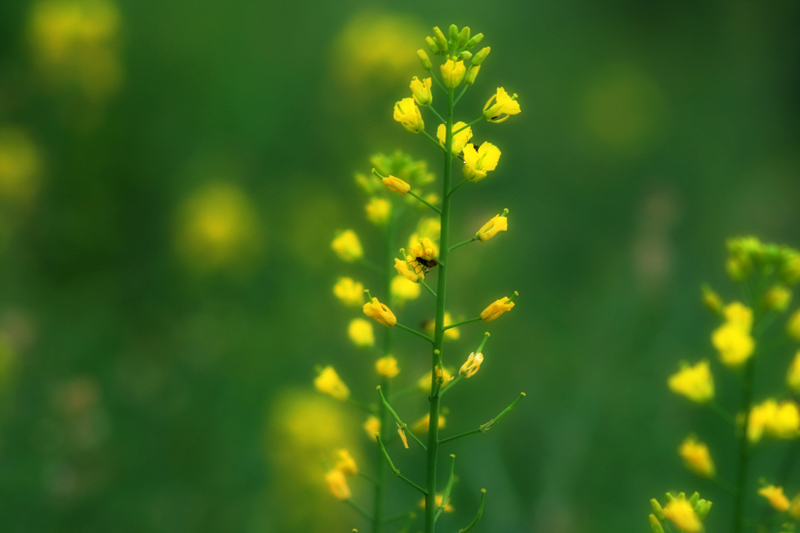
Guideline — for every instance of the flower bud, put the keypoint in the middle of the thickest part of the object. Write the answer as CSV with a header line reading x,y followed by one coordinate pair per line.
x,y
655,524
441,41
472,73
473,42
453,33
432,46
463,37
453,73
465,55
424,60
479,58
657,510
421,90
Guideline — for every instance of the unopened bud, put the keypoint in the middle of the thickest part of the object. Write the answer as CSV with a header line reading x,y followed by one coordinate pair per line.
x,y
656,525
480,56
711,300
424,59
702,508
472,73
441,42
473,42
657,510
463,37
463,56
777,298
453,32
432,46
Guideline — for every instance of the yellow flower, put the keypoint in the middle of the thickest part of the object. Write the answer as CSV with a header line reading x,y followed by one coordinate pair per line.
x,y
387,366
500,106
378,211
779,421
439,497
697,458
453,73
423,248
478,162
472,365
345,462
490,229
790,272
380,312
696,382
794,509
361,333
777,298
793,326
712,300
421,91
497,308
349,292
407,113
683,515
403,289
460,139
793,376
372,426
740,315
338,484
775,496
20,166
396,185
409,269
328,382
423,424
347,246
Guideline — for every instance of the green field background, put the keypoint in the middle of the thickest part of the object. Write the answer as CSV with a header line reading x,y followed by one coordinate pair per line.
x,y
166,272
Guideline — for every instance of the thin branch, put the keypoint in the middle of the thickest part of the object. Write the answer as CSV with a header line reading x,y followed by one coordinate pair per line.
x,y
415,332
477,516
394,469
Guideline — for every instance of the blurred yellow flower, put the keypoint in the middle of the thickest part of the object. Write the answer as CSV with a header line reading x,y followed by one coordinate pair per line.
x,y
328,382
793,375
697,458
439,497
423,424
361,333
345,462
460,139
421,90
775,497
453,73
407,114
777,298
387,366
403,289
218,228
478,162
500,106
490,229
20,166
349,292
75,44
424,383
403,437
378,210
372,426
794,508
732,339
452,334
347,246
793,326
497,308
380,312
694,382
423,248
681,513
472,365
338,484
773,419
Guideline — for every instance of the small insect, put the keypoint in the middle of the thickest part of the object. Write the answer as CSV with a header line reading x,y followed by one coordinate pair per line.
x,y
426,264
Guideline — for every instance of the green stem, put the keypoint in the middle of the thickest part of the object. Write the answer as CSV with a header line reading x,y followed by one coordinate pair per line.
x,y
459,130
399,422
428,287
425,202
471,320
395,470
415,332
725,415
436,113
744,455
358,509
438,341
434,141
457,187
477,516
463,243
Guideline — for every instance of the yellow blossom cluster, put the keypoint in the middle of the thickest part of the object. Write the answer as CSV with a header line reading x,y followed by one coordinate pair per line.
x,y
335,477
694,382
773,419
686,515
697,458
732,339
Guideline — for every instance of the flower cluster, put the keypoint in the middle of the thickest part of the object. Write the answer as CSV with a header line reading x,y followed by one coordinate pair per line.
x,y
686,515
765,274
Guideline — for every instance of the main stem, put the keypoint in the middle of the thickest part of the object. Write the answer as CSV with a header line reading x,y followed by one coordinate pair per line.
x,y
383,414
744,448
438,339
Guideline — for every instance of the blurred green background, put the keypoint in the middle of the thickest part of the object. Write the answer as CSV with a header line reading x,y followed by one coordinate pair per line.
x,y
172,173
